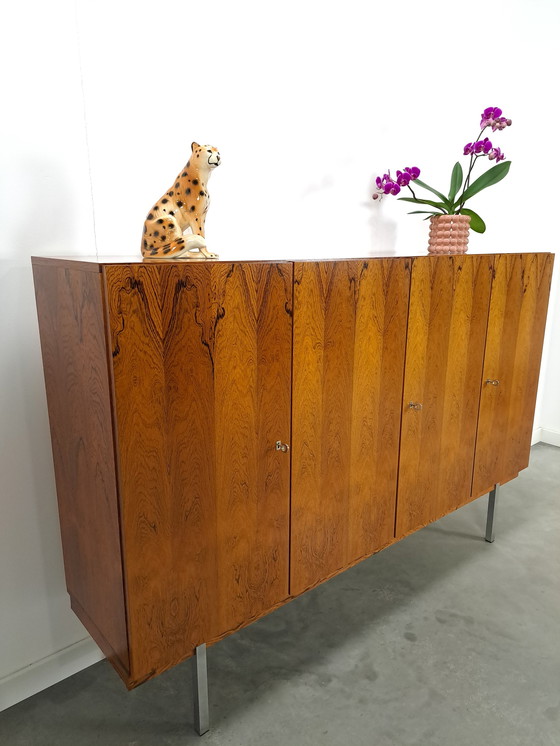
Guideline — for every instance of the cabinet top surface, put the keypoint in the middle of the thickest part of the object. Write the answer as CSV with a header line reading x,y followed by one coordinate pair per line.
x,y
95,263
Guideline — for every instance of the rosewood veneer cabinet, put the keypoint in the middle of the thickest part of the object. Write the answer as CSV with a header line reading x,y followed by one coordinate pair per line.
x,y
229,434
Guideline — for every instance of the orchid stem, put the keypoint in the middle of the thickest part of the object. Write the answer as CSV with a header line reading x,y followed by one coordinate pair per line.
x,y
473,160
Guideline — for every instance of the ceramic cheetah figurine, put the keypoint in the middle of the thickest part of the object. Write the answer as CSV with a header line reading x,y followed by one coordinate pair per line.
x,y
181,208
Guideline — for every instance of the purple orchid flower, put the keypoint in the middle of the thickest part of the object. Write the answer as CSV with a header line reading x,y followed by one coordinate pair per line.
x,y
403,179
413,171
410,173
387,185
492,117
496,154
489,114
482,147
473,148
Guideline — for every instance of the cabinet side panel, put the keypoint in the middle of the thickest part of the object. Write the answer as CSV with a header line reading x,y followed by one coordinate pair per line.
x,y
201,359
349,341
516,324
73,343
444,357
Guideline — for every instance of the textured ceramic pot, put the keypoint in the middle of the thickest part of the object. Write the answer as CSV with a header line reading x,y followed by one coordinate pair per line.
x,y
449,234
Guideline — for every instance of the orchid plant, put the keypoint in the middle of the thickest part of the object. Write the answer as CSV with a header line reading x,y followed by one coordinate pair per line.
x,y
461,189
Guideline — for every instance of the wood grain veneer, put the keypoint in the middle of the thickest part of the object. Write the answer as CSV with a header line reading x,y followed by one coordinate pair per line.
x,y
516,325
74,348
169,383
201,359
349,341
449,299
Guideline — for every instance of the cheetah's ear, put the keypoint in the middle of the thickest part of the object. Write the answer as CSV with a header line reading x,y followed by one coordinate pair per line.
x,y
194,145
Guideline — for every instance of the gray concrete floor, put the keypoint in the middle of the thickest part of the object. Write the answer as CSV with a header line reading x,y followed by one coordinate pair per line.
x,y
440,640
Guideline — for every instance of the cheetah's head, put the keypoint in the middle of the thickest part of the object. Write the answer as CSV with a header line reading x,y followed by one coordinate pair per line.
x,y
210,154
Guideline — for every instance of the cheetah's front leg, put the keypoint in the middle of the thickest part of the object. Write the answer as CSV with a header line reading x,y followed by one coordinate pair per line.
x,y
200,242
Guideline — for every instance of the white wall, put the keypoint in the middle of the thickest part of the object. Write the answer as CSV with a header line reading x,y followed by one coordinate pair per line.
x,y
45,207
307,101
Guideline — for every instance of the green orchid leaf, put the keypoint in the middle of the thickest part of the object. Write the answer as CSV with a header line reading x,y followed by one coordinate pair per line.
x,y
492,176
442,197
422,212
477,223
456,181
418,201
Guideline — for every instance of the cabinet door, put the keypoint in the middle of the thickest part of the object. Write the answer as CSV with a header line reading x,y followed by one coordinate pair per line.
x,y
516,323
202,381
449,300
349,340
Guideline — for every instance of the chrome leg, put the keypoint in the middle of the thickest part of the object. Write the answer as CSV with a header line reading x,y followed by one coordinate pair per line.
x,y
200,690
492,498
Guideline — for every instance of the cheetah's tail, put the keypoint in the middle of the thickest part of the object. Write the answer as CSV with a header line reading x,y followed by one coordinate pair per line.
x,y
191,245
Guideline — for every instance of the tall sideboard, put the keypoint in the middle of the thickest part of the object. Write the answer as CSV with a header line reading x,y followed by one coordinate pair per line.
x,y
229,434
